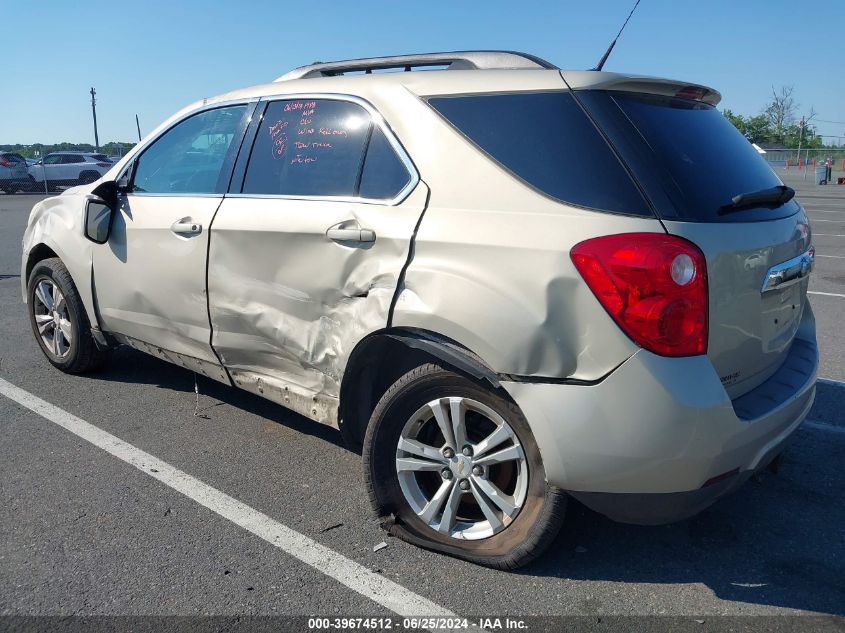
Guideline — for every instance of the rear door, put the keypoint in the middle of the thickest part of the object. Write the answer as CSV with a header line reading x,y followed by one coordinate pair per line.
x,y
693,162
150,275
50,168
70,167
307,250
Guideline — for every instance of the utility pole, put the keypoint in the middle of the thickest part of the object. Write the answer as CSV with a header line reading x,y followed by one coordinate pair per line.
x,y
138,125
94,112
800,138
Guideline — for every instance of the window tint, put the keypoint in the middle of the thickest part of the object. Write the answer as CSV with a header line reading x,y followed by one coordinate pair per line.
x,y
70,159
384,174
188,158
703,159
545,139
308,148
100,157
53,159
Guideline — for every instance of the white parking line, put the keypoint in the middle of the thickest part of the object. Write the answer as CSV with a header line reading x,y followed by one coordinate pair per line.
x,y
831,256
834,221
821,426
831,382
829,234
325,560
825,294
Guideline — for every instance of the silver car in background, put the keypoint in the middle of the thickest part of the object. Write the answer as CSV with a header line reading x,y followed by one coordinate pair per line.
x,y
506,283
67,169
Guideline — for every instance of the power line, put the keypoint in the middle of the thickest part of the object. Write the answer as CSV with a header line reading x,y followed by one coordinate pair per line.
x,y
836,122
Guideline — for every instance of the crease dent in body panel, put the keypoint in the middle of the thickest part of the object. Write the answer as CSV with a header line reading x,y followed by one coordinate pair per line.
x,y
308,355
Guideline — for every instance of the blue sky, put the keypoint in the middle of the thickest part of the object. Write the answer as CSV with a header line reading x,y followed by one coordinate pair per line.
x,y
153,57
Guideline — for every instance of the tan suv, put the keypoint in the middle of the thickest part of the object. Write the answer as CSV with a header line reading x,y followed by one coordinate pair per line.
x,y
506,282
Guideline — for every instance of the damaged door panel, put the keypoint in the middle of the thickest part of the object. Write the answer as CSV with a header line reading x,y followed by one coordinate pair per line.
x,y
305,260
288,304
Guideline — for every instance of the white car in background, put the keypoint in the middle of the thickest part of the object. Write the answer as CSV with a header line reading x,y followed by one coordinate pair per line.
x,y
70,168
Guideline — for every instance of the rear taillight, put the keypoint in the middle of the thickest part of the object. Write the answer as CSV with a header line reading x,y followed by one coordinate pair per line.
x,y
653,285
4,162
103,164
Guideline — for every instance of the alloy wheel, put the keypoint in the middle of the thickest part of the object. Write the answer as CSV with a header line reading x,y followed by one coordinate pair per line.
x,y
461,468
52,318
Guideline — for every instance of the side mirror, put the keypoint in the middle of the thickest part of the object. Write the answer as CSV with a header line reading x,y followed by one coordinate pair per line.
x,y
98,218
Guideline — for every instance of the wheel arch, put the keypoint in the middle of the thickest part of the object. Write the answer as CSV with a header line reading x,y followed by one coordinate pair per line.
x,y
37,253
80,270
382,357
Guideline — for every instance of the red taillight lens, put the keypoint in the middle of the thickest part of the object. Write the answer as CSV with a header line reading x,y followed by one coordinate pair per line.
x,y
104,164
4,162
653,285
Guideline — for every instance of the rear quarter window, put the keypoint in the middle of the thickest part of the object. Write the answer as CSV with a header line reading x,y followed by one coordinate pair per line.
x,y
546,140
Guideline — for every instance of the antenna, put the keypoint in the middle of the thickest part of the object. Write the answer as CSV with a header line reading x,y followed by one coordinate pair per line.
x,y
604,57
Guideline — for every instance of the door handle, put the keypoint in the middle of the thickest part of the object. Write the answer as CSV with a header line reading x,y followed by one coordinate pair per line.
x,y
351,235
186,227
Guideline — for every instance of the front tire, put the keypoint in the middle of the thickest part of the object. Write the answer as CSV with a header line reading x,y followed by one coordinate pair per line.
x,y
451,465
59,321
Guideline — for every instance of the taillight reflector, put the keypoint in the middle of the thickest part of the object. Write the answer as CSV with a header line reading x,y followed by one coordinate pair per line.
x,y
653,285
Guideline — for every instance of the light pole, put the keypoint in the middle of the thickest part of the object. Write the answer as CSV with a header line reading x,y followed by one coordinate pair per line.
x,y
94,112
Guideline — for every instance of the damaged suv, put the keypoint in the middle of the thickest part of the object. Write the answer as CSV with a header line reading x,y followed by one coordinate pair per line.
x,y
506,283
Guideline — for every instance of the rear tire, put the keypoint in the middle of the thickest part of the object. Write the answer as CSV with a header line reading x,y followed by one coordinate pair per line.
x,y
87,177
59,321
508,538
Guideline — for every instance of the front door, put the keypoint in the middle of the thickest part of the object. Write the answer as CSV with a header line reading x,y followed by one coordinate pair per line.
x,y
149,278
305,258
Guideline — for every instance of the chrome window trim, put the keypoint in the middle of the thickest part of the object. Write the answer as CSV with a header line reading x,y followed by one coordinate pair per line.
x,y
789,272
378,120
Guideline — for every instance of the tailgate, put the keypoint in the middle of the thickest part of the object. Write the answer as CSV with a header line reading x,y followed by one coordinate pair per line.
x,y
751,328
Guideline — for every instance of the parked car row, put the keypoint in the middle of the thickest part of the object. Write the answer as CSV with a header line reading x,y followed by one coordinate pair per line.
x,y
59,169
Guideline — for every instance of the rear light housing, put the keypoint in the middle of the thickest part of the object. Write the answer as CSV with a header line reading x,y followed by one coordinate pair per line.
x,y
653,285
4,162
104,164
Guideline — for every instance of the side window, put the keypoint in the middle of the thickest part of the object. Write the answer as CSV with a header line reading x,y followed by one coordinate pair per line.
x,y
53,159
384,174
72,159
188,158
308,148
546,140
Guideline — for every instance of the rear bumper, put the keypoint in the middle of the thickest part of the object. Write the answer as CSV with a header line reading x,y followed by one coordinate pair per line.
x,y
659,439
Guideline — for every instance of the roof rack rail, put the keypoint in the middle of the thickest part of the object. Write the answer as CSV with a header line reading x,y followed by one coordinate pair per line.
x,y
455,60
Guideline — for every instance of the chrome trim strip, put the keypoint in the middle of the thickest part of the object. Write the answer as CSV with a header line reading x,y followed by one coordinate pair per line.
x,y
789,272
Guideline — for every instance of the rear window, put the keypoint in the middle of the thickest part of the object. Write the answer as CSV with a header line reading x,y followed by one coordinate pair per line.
x,y
13,158
100,157
701,157
546,140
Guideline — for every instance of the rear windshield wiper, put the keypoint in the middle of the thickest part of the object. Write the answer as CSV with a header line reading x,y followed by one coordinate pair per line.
x,y
774,196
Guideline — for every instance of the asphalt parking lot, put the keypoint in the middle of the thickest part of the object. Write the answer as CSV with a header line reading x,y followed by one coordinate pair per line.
x,y
87,533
